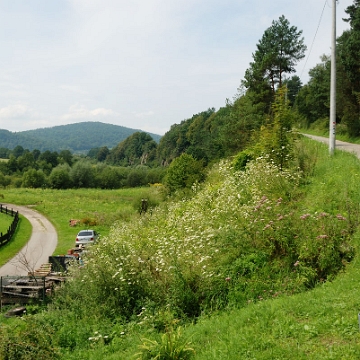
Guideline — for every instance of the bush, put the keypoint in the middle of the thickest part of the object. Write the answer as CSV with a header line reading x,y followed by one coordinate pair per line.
x,y
171,346
183,172
60,177
28,339
34,179
242,159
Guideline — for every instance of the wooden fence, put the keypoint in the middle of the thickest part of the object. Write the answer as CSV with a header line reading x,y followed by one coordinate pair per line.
x,y
7,237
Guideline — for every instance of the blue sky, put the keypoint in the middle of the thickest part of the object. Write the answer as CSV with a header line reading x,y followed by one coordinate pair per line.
x,y
143,64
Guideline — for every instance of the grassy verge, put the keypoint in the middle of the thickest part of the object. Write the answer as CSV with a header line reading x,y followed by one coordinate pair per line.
x,y
19,239
318,324
325,133
5,222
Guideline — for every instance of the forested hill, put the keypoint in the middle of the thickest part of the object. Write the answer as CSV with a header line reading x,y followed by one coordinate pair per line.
x,y
78,138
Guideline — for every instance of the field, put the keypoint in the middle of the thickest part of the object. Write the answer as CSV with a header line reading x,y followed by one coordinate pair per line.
x,y
98,209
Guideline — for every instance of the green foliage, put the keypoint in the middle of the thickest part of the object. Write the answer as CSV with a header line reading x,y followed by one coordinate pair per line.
x,y
110,177
275,139
242,118
78,138
278,51
28,339
211,135
240,160
349,46
137,177
183,172
5,180
82,174
65,157
172,346
293,86
138,149
245,237
60,177
241,239
313,100
34,179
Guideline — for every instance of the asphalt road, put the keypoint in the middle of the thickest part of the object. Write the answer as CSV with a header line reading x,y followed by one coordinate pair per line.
x,y
340,145
36,252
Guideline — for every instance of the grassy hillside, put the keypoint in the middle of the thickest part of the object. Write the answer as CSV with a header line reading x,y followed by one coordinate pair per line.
x,y
256,265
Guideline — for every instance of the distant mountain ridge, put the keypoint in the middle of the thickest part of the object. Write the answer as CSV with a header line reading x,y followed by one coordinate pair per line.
x,y
78,137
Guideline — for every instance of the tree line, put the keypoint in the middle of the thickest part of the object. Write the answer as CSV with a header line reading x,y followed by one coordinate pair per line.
x,y
63,170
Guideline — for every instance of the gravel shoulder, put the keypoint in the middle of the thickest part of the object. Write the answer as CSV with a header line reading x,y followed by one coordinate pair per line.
x,y
42,244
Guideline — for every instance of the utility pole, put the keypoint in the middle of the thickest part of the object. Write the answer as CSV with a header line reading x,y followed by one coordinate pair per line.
x,y
332,123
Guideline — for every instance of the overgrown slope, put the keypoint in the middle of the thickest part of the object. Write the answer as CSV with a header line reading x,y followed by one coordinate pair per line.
x,y
246,242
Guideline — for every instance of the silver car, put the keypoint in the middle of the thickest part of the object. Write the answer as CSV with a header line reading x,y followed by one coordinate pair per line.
x,y
86,237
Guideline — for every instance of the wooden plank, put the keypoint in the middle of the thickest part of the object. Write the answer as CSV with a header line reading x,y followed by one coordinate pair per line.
x,y
17,294
24,287
15,300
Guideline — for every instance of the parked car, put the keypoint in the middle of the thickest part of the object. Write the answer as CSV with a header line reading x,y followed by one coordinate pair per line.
x,y
86,237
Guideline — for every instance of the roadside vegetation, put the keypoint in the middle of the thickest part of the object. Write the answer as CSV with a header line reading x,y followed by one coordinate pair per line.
x,y
249,248
19,239
5,222
250,252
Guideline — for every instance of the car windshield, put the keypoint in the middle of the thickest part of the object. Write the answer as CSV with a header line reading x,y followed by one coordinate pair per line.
x,y
85,233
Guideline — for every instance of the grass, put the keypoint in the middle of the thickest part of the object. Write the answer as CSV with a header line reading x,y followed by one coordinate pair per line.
x,y
325,133
20,238
98,209
5,222
321,323
318,324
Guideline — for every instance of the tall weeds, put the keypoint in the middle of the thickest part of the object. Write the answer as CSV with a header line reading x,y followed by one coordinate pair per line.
x,y
241,239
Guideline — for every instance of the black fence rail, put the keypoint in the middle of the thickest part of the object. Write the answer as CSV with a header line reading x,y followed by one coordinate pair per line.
x,y
15,214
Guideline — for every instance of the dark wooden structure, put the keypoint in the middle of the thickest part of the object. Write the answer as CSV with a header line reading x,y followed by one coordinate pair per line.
x,y
5,238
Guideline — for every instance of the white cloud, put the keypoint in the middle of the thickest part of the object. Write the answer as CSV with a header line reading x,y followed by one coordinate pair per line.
x,y
81,112
144,114
16,111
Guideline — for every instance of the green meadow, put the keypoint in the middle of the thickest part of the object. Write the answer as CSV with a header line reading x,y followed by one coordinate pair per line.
x,y
98,209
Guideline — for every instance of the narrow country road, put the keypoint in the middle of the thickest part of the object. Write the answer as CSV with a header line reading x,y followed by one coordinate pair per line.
x,y
340,145
36,252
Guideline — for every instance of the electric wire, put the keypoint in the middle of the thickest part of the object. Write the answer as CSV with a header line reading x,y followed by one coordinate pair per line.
x,y
322,13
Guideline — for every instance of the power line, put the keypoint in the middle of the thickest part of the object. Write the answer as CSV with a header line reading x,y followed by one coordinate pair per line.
x,y
322,13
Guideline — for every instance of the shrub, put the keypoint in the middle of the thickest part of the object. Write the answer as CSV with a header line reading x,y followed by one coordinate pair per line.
x,y
171,346
183,172
241,159
28,339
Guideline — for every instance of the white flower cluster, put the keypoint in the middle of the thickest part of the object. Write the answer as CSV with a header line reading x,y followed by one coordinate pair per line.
x,y
186,234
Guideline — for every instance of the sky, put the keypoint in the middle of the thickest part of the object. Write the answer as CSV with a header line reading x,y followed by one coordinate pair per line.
x,y
142,64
